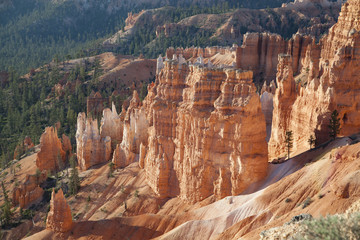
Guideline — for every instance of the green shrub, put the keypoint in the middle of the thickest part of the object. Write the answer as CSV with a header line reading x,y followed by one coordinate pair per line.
x,y
331,227
307,202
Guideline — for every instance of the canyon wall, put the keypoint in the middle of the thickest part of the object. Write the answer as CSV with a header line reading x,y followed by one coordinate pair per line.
x,y
201,139
260,51
333,68
199,132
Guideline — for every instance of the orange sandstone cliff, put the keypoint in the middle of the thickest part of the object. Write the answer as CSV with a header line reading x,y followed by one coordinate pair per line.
x,y
332,83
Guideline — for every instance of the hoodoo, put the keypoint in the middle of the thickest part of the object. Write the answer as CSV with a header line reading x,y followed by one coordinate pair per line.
x,y
59,218
53,153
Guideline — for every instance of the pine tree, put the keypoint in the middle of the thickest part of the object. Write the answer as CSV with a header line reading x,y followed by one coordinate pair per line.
x,y
289,141
334,125
74,178
312,141
6,213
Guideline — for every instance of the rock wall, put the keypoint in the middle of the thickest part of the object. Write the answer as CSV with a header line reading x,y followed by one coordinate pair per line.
x,y
200,140
53,153
59,218
332,83
284,98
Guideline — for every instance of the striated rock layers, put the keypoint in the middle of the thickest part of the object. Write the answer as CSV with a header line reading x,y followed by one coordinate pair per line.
x,y
53,153
207,133
59,218
260,51
333,70
29,192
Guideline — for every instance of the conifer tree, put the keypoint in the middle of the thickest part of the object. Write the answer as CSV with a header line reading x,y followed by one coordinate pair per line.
x,y
334,125
289,141
6,213
74,178
312,141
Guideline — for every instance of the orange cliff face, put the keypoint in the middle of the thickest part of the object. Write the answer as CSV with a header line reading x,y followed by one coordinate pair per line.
x,y
53,152
200,140
59,218
332,83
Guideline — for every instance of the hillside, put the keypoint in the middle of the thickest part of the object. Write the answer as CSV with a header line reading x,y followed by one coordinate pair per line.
x,y
151,32
58,91
30,39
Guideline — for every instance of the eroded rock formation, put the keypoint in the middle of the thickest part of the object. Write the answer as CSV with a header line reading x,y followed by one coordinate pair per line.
x,y
201,141
134,133
333,68
91,147
53,153
112,126
59,218
259,53
29,192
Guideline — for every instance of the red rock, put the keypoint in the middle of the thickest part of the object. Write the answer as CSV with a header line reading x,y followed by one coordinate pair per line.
x,y
134,133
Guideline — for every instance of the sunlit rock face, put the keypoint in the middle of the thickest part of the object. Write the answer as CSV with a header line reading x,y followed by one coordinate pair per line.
x,y
202,135
333,68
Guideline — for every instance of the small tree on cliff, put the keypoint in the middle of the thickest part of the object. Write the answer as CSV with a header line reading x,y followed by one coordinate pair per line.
x,y
334,125
312,141
289,141
74,178
6,213
111,169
